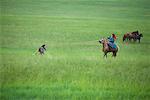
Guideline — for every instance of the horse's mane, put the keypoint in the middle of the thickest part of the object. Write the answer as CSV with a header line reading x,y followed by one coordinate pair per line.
x,y
135,32
105,39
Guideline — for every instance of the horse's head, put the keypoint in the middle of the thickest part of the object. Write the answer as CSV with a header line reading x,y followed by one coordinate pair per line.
x,y
141,35
44,46
102,41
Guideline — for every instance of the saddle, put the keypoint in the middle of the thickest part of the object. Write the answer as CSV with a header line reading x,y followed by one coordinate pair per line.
x,y
112,45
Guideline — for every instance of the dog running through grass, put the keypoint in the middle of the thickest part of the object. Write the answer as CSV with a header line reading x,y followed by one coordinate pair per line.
x,y
41,50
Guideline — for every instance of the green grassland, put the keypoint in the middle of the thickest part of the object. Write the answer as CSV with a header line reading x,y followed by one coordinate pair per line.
x,y
73,67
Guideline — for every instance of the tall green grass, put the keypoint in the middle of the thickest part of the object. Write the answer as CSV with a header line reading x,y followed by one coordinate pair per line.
x,y
73,66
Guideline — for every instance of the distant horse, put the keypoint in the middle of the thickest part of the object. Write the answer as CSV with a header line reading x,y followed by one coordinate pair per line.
x,y
127,36
132,36
42,49
107,48
138,37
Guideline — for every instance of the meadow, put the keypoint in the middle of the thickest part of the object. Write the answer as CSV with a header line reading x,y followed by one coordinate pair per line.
x,y
73,67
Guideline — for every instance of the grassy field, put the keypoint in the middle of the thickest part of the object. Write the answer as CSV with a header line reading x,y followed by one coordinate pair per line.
x,y
73,67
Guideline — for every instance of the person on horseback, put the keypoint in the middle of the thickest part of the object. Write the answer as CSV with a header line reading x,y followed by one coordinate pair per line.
x,y
106,48
114,36
111,41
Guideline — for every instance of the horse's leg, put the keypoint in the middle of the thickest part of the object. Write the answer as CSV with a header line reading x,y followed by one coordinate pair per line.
x,y
114,54
124,38
129,39
134,39
139,40
105,54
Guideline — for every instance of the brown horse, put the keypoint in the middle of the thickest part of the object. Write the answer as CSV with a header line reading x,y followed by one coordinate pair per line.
x,y
107,48
127,36
132,35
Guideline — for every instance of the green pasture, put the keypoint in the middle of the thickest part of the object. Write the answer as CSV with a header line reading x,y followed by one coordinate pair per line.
x,y
73,67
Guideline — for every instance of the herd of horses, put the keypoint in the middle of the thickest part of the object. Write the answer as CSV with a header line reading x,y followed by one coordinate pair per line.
x,y
127,37
104,41
132,36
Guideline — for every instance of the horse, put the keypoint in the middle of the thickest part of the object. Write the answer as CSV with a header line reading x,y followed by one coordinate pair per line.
x,y
107,48
134,35
125,37
138,37
42,49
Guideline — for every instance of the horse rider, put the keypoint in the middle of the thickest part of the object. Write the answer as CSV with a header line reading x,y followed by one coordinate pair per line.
x,y
111,41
